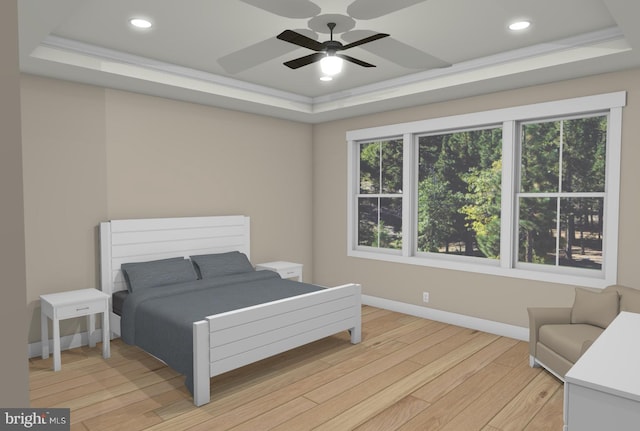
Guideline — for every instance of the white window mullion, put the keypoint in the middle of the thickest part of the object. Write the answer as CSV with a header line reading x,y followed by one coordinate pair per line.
x,y
561,150
409,195
378,230
352,194
560,174
509,186
612,198
558,231
381,168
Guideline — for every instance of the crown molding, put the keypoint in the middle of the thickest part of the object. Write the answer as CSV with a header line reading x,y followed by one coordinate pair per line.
x,y
168,79
590,45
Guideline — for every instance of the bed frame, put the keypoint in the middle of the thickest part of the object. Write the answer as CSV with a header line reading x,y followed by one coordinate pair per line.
x,y
230,340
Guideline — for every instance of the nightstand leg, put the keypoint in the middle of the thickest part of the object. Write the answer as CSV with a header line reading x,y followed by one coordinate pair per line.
x,y
91,325
106,343
44,335
56,345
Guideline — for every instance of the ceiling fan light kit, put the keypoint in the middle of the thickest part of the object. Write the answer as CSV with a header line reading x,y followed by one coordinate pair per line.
x,y
331,65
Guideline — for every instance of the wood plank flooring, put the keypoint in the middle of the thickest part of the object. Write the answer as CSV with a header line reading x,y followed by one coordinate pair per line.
x,y
407,374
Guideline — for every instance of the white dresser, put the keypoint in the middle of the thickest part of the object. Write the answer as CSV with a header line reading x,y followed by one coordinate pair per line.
x,y
602,389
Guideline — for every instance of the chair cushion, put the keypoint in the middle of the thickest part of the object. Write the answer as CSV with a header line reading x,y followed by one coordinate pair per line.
x,y
569,341
594,308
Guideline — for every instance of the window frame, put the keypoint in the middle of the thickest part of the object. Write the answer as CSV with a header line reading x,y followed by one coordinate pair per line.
x,y
610,104
558,194
359,195
416,163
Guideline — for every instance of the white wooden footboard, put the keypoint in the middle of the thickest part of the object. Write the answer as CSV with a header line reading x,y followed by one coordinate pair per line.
x,y
231,340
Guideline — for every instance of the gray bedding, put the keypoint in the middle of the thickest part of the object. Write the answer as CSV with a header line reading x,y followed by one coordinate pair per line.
x,y
159,319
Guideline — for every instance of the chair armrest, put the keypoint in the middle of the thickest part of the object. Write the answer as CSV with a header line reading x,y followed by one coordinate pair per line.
x,y
539,316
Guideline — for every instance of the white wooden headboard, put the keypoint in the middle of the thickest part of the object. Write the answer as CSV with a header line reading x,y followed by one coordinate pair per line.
x,y
139,240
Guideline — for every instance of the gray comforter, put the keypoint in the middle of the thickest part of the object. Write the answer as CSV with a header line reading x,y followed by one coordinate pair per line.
x,y
159,319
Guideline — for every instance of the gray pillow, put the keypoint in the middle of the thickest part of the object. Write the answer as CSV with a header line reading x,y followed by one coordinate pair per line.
x,y
142,275
594,308
221,264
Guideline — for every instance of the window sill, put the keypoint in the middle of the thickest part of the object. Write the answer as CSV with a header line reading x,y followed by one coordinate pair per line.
x,y
491,267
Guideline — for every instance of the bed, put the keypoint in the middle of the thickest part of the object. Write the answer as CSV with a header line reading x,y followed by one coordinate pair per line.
x,y
226,340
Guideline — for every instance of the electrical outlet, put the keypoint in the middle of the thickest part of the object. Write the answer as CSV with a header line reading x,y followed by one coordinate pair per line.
x,y
425,296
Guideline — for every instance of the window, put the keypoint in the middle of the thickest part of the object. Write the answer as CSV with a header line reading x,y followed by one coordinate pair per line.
x,y
459,192
561,198
528,192
380,194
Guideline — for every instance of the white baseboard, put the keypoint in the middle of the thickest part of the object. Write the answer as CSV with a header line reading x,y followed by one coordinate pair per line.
x,y
490,326
66,342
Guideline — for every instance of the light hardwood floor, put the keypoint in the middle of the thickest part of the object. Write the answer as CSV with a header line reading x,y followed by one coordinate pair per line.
x,y
407,374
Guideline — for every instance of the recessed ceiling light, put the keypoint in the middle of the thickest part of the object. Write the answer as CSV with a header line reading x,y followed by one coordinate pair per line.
x,y
326,78
140,22
519,25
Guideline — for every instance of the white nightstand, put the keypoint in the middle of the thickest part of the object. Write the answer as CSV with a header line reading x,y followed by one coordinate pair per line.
x,y
73,303
285,269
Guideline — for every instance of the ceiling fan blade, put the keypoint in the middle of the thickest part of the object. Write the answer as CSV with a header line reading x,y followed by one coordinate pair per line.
x,y
355,60
300,40
287,8
365,40
370,9
303,61
397,52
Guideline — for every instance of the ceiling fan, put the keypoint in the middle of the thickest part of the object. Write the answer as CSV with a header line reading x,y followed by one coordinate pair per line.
x,y
324,50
